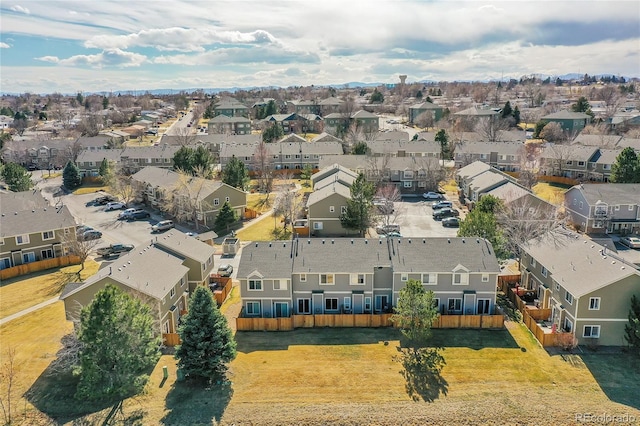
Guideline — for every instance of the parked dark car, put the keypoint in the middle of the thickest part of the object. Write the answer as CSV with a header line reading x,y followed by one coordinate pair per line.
x,y
446,212
451,222
90,235
104,200
137,215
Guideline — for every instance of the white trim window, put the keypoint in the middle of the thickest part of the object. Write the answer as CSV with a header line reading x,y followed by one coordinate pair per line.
x,y
460,278
331,304
216,201
46,254
568,297
594,303
303,278
358,279
591,331
485,278
252,308
227,199
326,279
455,304
404,277
254,284
317,226
48,235
280,284
429,279
543,271
172,292
22,239
343,209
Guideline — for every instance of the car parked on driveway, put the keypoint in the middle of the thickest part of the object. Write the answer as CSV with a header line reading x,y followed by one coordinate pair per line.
x,y
631,241
451,222
441,205
445,212
104,200
115,205
137,215
163,225
225,270
123,215
432,196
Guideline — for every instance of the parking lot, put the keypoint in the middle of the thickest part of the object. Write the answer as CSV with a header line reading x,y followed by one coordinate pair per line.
x,y
415,220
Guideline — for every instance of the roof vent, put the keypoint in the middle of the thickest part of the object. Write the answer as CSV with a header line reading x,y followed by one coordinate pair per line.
x,y
269,244
333,241
284,244
352,241
120,269
463,241
15,213
256,244
308,241
478,240
366,241
613,262
449,240
592,246
33,211
380,241
409,240
424,241
322,241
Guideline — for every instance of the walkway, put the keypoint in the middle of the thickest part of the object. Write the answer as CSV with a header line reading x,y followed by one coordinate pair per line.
x,y
28,310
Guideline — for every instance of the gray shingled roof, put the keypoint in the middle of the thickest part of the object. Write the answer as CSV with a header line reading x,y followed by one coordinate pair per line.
x,y
476,112
425,105
487,179
566,115
270,259
597,140
611,193
363,114
508,192
392,147
185,245
39,219
26,200
329,170
507,148
146,268
159,177
225,119
326,137
345,177
473,169
327,190
576,263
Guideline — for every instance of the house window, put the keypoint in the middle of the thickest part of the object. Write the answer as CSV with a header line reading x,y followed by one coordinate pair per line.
x,y
182,282
485,278
317,225
347,304
304,306
5,262
422,184
332,209
455,305
303,278
630,207
569,162
47,235
557,287
47,254
568,325
408,174
544,271
460,279
533,263
429,279
253,308
279,284
343,209
216,201
617,207
167,160
591,331
404,277
172,292
22,239
326,279
407,184
367,304
227,199
255,285
568,297
331,304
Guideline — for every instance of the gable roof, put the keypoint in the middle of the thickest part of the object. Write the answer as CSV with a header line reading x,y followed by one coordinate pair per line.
x,y
610,193
326,137
473,169
184,245
28,212
363,114
508,192
426,105
330,170
270,259
577,264
566,115
476,112
486,180
328,190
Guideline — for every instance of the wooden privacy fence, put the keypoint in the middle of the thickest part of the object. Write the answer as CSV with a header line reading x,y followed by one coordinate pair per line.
x,y
505,280
546,339
170,339
361,321
40,265
221,289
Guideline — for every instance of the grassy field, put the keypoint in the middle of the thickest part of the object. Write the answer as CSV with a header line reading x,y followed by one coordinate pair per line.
x,y
341,376
90,189
551,192
25,291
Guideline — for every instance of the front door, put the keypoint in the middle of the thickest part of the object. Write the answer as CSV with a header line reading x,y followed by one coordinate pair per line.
x,y
281,309
358,303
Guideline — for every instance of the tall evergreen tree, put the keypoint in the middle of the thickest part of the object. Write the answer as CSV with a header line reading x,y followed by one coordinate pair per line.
x,y
226,216
359,215
507,111
442,138
235,174
71,178
120,346
626,169
632,330
207,341
106,171
582,105
272,133
415,313
16,177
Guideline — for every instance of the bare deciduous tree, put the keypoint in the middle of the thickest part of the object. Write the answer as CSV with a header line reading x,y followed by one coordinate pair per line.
x,y
385,202
288,204
185,200
263,167
8,373
490,127
121,187
555,157
79,246
185,136
552,132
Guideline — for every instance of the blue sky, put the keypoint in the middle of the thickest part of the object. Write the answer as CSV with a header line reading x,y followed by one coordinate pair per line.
x,y
69,46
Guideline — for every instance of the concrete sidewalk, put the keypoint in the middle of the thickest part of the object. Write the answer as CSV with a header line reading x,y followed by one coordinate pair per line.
x,y
28,310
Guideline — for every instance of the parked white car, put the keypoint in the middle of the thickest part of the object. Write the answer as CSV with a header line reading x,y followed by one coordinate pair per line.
x,y
115,205
631,241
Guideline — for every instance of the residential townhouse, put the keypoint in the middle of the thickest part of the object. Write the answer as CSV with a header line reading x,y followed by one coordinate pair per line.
x,y
333,173
366,122
343,275
229,125
604,208
427,108
160,187
587,288
129,159
31,230
55,153
571,122
303,107
285,155
570,161
296,122
505,156
231,108
162,274
411,174
325,206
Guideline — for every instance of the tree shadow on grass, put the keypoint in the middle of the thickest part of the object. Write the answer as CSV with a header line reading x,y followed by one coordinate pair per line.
x,y
191,403
421,371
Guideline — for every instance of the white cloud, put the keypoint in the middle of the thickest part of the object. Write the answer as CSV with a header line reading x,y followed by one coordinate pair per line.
x,y
106,58
180,39
234,55
4,45
20,9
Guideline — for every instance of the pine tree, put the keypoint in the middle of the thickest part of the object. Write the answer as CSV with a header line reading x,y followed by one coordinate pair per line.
x,y
415,313
626,169
442,138
120,346
226,216
16,177
207,341
632,330
235,174
507,111
71,178
106,171
358,215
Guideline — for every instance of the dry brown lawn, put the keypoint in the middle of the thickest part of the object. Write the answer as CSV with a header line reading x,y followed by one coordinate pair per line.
x,y
553,193
25,291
